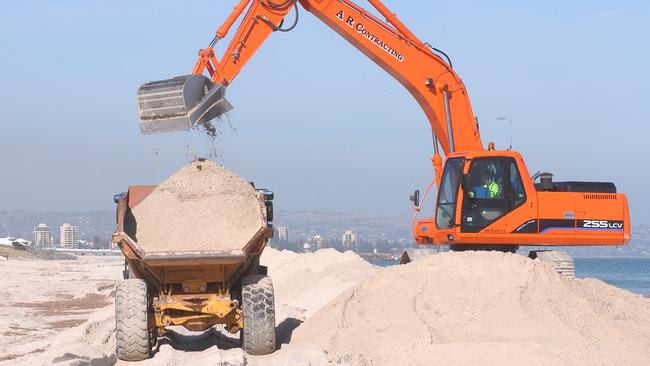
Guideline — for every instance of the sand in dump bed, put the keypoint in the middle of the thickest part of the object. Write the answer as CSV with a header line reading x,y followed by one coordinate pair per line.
x,y
201,207
481,309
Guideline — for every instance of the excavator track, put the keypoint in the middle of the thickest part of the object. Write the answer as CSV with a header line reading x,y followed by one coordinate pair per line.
x,y
562,261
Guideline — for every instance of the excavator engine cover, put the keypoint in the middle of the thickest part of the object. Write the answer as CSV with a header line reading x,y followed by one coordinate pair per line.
x,y
180,103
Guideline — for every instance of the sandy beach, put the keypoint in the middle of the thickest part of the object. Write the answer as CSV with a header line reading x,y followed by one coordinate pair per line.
x,y
335,308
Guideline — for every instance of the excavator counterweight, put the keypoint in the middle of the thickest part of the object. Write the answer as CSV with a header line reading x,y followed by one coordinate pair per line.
x,y
180,103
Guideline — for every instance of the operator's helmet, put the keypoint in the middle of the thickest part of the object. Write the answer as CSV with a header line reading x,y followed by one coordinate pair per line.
x,y
489,174
487,177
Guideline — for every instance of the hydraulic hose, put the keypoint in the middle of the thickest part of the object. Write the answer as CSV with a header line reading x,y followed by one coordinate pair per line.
x,y
280,5
274,5
442,53
295,22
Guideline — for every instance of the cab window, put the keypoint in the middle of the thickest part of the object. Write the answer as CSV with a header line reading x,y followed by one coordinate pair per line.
x,y
486,178
518,194
448,193
493,188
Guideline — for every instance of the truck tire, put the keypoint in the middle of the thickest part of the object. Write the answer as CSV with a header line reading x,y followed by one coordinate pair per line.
x,y
131,321
562,261
258,306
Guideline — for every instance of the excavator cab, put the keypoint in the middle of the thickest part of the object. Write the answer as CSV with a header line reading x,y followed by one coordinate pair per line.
x,y
487,199
180,103
493,188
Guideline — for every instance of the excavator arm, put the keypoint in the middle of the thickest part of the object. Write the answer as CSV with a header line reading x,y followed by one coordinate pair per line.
x,y
390,44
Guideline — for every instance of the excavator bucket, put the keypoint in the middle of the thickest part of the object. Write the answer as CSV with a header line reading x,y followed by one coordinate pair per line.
x,y
180,103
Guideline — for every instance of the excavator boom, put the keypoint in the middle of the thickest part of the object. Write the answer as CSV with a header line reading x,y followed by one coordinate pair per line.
x,y
390,44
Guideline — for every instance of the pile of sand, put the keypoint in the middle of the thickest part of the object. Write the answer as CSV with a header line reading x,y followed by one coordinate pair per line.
x,y
307,282
201,207
477,308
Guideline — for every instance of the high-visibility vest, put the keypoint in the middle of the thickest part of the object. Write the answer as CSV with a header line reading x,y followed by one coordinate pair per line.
x,y
493,190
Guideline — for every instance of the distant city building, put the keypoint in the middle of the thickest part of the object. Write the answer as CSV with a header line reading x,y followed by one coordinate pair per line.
x,y
69,236
11,242
43,236
306,248
350,240
7,242
317,242
283,234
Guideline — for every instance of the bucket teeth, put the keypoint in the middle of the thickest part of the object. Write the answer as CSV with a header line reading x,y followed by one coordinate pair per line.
x,y
180,103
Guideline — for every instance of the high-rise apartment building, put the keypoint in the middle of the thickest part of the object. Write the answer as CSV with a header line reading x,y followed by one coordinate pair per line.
x,y
317,242
283,234
42,236
350,240
69,236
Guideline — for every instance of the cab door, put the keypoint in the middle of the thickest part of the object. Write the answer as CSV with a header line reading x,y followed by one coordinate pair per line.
x,y
448,194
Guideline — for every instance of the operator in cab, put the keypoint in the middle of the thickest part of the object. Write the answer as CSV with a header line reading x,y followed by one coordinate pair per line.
x,y
489,188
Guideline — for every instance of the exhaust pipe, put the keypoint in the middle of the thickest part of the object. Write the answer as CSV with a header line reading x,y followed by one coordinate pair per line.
x,y
180,103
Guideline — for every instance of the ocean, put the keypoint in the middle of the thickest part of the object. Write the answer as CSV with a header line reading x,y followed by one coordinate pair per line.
x,y
632,274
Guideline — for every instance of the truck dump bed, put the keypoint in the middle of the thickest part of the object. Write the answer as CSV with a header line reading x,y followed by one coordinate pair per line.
x,y
201,207
202,219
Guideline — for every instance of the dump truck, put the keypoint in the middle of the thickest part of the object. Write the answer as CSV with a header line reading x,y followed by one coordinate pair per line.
x,y
195,289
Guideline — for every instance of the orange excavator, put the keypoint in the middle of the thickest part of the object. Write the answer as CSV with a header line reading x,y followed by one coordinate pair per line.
x,y
486,198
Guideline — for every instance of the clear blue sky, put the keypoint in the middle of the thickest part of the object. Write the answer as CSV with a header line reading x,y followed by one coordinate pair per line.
x,y
314,119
